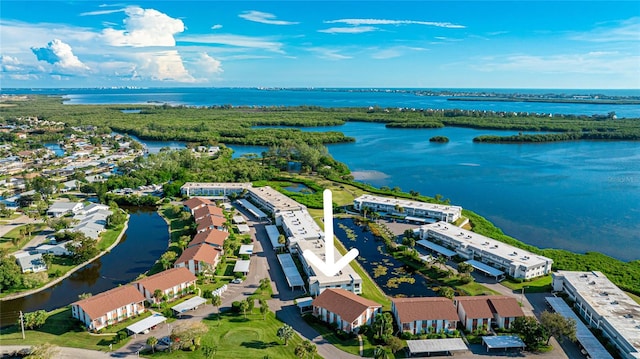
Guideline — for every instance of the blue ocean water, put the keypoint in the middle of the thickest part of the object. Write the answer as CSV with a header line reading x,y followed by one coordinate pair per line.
x,y
581,196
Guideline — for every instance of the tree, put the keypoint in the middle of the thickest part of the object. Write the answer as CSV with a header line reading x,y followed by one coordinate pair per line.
x,y
532,333
167,258
282,240
285,333
82,248
152,342
34,320
157,294
117,218
43,351
441,260
312,349
183,241
244,306
264,308
395,344
558,326
380,353
382,326
465,268
265,283
82,296
447,292
301,350
189,333
216,301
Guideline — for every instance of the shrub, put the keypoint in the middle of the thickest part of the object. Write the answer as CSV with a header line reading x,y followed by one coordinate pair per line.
x,y
235,307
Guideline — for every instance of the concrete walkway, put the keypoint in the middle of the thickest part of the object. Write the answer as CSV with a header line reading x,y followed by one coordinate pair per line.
x,y
69,353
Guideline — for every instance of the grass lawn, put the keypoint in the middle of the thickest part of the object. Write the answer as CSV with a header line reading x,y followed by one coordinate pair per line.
x,y
109,237
6,240
347,345
538,285
236,337
60,329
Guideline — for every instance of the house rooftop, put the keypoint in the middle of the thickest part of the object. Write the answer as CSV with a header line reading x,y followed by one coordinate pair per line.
x,y
200,253
424,308
213,237
346,304
100,304
167,279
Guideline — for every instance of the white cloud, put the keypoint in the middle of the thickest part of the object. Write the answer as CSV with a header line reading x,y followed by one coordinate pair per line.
x,y
329,54
204,67
264,18
101,12
358,22
393,52
349,30
144,27
216,27
236,40
9,63
60,55
626,30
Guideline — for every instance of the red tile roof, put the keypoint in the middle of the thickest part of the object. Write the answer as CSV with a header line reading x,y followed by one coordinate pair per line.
x,y
213,237
484,306
105,302
195,202
413,309
346,304
167,279
506,307
200,253
211,221
210,210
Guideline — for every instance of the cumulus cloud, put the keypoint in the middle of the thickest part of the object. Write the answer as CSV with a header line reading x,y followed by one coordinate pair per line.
x,y
204,67
349,30
358,22
9,63
144,27
61,55
264,18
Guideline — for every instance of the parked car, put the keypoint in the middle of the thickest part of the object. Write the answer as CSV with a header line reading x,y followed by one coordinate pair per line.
x,y
236,281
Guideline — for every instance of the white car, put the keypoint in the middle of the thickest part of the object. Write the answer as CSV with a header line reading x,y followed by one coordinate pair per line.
x,y
236,281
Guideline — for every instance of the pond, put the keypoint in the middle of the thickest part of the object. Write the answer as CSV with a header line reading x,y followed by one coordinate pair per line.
x,y
373,254
143,243
298,188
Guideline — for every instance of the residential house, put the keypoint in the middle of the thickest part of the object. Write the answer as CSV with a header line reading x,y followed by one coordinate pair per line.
x,y
59,249
110,307
206,211
424,315
59,208
479,312
211,222
213,237
194,203
344,308
31,263
199,259
171,283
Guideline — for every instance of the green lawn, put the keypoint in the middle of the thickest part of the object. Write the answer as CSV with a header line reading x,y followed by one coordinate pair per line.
x,y
538,285
109,237
6,240
60,329
236,337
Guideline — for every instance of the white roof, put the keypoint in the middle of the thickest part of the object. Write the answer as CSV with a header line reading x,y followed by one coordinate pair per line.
x,y
301,225
246,249
436,345
436,247
290,270
485,268
503,341
189,304
346,275
64,206
405,203
273,233
243,228
277,200
242,266
146,323
238,219
251,208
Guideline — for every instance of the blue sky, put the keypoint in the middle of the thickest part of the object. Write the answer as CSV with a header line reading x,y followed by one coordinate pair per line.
x,y
429,44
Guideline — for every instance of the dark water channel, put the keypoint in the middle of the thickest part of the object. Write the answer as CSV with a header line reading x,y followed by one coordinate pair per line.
x,y
373,254
143,243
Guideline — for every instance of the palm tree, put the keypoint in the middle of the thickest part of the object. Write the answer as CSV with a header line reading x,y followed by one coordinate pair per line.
x,y
441,260
312,349
282,240
380,352
285,333
244,306
264,308
152,341
301,350
216,301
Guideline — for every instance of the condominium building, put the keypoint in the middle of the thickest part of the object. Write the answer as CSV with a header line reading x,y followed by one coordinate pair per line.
x,y
604,306
298,225
213,189
273,201
404,207
514,261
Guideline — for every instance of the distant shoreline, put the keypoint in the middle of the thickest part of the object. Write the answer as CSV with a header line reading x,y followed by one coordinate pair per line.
x,y
611,101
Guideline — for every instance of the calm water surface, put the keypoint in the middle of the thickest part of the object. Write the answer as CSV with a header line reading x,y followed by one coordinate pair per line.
x,y
145,240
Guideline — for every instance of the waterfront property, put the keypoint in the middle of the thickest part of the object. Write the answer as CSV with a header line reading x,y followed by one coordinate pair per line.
x,y
60,208
211,223
199,258
213,189
194,203
424,314
604,306
298,225
516,262
412,210
31,262
480,312
344,308
206,211
213,237
272,201
110,307
171,283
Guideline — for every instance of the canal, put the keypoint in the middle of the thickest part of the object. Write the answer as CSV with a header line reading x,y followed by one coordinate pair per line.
x,y
396,279
143,243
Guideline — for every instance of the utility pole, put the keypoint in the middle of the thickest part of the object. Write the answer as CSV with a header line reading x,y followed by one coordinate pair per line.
x,y
22,323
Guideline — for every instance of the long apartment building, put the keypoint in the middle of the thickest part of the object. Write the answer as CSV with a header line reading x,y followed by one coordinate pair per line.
x,y
208,189
604,306
273,201
514,261
405,207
